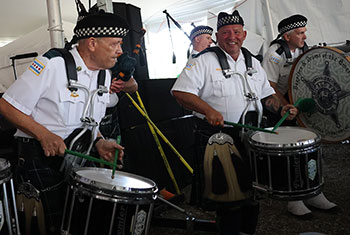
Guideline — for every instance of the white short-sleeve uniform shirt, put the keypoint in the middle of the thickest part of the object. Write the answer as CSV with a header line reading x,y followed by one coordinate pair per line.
x,y
41,92
193,53
278,68
203,77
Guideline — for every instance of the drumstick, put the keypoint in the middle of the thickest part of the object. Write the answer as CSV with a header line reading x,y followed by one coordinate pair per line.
x,y
302,104
116,156
94,159
160,133
250,127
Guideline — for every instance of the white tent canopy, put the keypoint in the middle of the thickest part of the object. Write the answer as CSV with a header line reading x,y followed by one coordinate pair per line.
x,y
327,21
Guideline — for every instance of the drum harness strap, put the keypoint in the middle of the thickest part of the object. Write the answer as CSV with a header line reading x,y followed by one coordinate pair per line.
x,y
285,48
227,72
87,117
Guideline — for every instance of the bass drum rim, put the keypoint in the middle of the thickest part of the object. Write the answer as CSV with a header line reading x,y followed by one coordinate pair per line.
x,y
345,54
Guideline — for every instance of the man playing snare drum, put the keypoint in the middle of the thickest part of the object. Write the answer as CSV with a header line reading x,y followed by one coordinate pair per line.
x,y
278,61
46,111
216,94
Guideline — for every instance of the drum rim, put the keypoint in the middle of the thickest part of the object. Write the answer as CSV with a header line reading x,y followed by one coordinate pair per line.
x,y
286,195
290,83
303,144
113,189
113,196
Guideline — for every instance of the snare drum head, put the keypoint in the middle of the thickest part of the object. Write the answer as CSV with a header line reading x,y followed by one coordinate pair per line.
x,y
122,181
323,74
287,137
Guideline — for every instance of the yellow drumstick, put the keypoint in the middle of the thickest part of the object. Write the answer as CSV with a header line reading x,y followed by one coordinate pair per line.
x,y
161,134
161,151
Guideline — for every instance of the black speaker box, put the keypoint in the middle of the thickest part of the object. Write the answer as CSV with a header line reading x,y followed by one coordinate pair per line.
x,y
132,14
143,157
159,103
7,140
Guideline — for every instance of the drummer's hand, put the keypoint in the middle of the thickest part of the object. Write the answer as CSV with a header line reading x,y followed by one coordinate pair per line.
x,y
214,118
117,85
293,111
106,149
52,144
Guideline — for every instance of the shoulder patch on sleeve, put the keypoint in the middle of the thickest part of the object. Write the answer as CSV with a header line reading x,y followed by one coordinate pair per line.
x,y
37,67
190,65
276,59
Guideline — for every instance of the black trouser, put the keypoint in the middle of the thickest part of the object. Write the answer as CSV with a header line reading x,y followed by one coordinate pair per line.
x,y
232,220
232,217
43,173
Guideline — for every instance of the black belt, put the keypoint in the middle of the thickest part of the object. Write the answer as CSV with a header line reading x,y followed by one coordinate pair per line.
x,y
27,140
234,132
29,149
25,147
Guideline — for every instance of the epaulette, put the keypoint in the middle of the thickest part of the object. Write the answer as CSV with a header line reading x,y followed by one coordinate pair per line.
x,y
223,59
285,48
52,53
201,53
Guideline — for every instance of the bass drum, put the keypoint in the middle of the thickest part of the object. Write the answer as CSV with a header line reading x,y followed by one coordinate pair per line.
x,y
323,74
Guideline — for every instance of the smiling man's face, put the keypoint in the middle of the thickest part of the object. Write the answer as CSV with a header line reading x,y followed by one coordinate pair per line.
x,y
230,38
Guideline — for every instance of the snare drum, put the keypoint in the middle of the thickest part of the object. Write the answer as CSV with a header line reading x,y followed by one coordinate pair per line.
x,y
287,166
8,208
97,204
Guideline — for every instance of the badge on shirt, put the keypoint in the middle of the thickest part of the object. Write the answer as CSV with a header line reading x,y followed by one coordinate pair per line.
x,y
74,94
36,67
189,66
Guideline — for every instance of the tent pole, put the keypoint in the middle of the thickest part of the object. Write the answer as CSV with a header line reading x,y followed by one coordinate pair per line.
x,y
55,23
270,18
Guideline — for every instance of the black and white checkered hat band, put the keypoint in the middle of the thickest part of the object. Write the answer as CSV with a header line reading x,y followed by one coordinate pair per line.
x,y
292,26
199,32
101,32
229,20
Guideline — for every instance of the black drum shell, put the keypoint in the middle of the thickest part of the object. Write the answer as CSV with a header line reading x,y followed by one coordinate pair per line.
x,y
282,170
104,208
